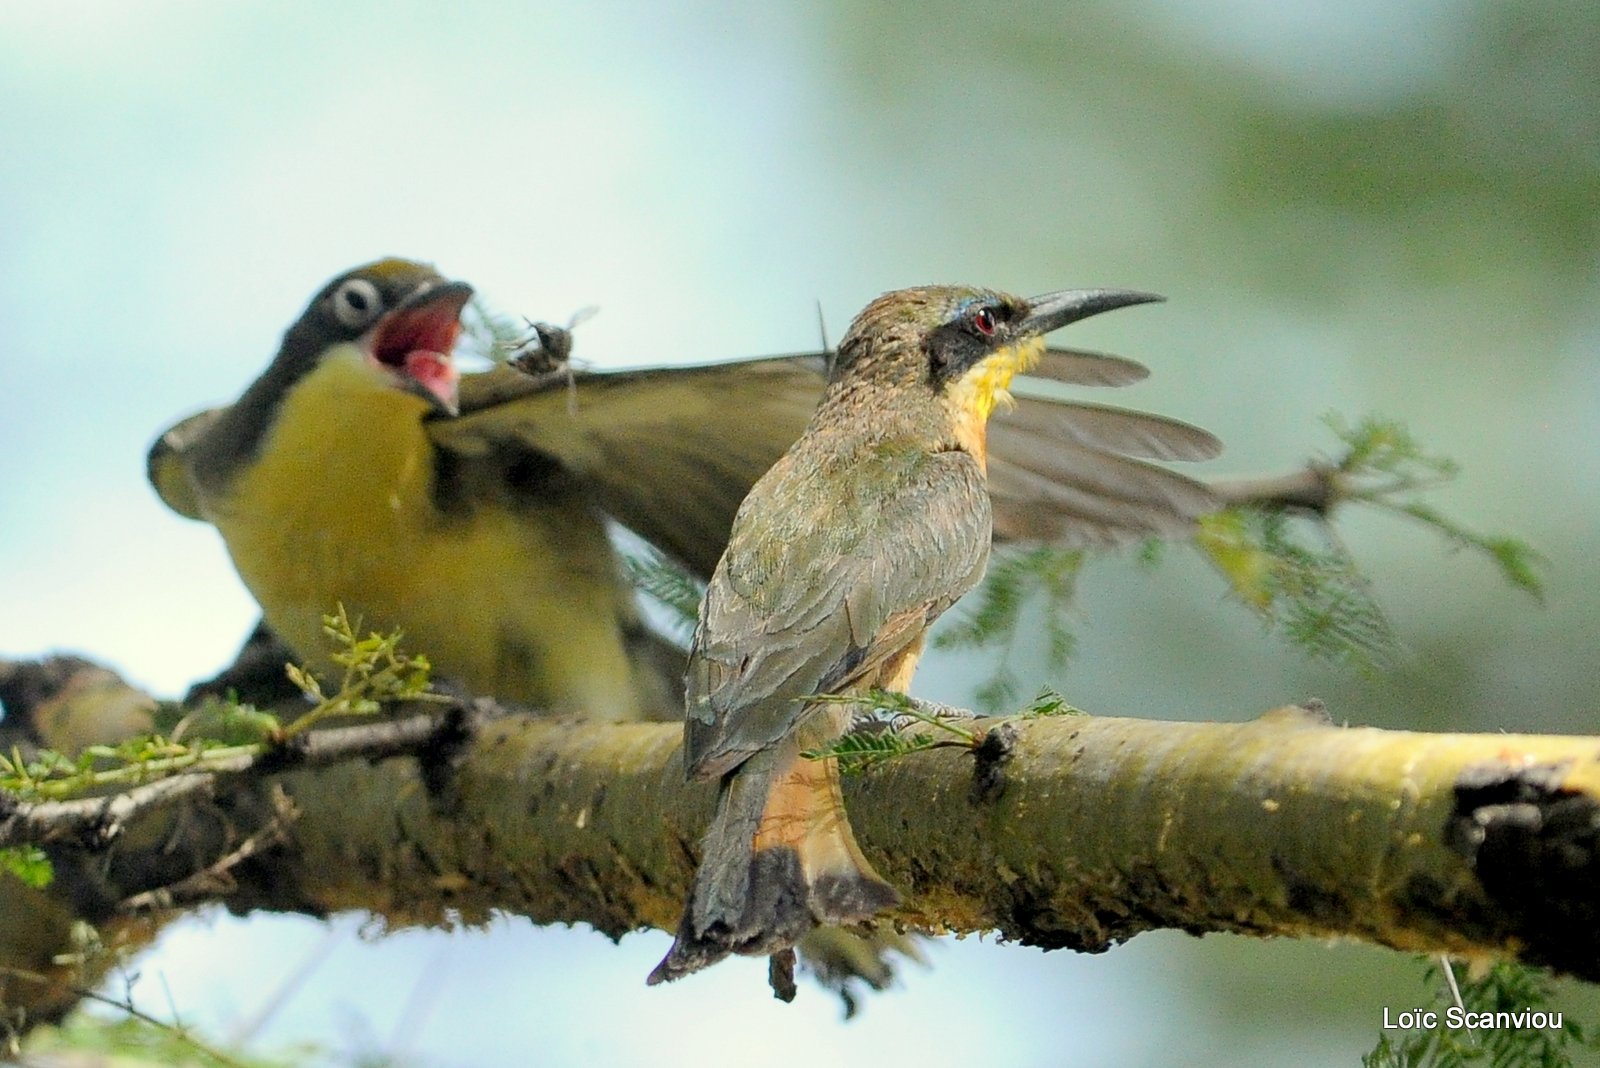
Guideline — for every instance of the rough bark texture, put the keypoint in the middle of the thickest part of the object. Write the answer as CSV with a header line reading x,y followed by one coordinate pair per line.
x,y
1071,832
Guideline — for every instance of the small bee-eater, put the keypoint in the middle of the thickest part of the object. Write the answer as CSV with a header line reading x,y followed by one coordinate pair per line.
x,y
472,512
341,475
872,524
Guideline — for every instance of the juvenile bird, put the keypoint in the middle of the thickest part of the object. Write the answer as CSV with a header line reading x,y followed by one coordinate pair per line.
x,y
872,524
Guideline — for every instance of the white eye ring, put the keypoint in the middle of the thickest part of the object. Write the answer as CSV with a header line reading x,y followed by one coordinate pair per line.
x,y
356,302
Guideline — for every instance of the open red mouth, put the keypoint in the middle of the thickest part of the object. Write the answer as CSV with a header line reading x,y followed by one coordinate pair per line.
x,y
416,338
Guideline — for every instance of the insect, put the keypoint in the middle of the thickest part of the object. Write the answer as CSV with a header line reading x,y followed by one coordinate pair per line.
x,y
547,351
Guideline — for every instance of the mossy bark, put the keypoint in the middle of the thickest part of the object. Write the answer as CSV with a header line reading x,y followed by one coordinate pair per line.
x,y
1072,831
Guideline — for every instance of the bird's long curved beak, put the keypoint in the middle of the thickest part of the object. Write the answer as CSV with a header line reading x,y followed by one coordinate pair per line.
x,y
1052,311
415,341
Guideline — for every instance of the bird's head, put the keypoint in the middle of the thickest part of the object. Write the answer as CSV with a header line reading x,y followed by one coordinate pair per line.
x,y
961,342
401,318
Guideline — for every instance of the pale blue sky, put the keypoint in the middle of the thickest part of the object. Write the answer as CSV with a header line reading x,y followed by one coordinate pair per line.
x,y
177,178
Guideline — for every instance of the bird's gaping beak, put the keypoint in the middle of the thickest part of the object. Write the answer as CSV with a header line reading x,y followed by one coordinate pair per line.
x,y
1052,311
415,341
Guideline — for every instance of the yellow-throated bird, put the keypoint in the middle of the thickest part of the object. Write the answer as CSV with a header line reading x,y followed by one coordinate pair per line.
x,y
872,524
341,475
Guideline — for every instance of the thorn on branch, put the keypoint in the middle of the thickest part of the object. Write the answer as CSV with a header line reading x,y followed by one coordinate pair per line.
x,y
990,758
439,756
1312,712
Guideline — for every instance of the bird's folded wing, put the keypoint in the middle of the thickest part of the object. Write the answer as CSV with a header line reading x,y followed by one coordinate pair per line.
x,y
819,591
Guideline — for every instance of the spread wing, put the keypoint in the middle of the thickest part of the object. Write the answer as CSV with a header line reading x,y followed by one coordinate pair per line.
x,y
830,573
1064,472
670,452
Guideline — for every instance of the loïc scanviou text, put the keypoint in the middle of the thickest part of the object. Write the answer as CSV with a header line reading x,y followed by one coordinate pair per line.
x,y
1457,1018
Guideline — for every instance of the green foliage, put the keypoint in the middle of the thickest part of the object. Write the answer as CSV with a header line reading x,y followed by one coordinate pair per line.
x,y
880,732
1291,569
52,776
135,1043
374,670
870,746
29,864
1313,594
1516,560
1049,704
1285,565
1506,987
1015,579
1384,466
669,585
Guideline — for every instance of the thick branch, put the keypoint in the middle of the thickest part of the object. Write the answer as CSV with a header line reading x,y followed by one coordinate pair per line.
x,y
1069,831
1093,830
96,821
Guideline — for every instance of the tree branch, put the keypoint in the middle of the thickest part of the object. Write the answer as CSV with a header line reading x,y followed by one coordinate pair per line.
x,y
1066,831
96,821
1314,488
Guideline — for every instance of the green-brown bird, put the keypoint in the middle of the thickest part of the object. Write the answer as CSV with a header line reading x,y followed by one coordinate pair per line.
x,y
872,524
341,475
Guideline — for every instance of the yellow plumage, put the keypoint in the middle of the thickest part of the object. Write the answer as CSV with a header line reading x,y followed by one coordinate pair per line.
x,y
339,506
987,384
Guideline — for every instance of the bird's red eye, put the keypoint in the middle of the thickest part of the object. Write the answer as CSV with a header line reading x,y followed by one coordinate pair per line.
x,y
983,319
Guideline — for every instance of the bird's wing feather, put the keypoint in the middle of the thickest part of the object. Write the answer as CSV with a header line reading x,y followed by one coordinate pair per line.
x,y
671,452
1081,367
1048,489
668,452
165,464
830,572
1119,430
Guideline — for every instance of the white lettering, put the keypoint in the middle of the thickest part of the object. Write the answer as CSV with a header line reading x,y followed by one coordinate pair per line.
x,y
1409,1019
1524,1019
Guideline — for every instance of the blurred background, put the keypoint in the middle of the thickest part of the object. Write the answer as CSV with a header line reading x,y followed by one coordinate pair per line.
x,y
1358,206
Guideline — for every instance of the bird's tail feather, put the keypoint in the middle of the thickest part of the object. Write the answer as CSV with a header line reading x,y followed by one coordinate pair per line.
x,y
778,860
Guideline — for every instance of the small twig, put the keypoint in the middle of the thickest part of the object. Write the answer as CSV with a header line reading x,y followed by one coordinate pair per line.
x,y
250,1026
214,878
1450,977
420,1003
1315,488
99,820
180,1033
